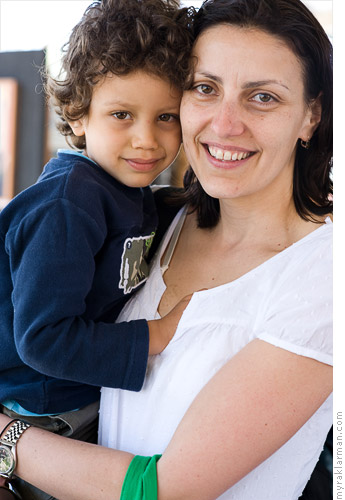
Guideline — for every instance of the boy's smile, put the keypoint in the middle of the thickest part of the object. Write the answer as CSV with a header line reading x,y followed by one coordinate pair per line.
x,y
132,129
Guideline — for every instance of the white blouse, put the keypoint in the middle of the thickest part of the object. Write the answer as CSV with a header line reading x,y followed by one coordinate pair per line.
x,y
286,301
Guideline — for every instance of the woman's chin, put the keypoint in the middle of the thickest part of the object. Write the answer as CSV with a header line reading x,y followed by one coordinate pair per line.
x,y
221,189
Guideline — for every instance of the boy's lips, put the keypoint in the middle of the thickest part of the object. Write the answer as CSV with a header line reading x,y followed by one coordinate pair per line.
x,y
142,164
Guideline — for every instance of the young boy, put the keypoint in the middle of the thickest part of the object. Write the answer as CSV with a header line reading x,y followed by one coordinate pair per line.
x,y
73,245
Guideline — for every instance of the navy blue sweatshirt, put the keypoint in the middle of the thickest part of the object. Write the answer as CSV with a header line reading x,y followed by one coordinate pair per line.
x,y
72,250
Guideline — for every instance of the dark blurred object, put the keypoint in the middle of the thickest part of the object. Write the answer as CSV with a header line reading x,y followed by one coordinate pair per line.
x,y
166,212
7,492
173,176
320,484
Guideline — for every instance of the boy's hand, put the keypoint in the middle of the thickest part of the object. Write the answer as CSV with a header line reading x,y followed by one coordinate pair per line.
x,y
162,330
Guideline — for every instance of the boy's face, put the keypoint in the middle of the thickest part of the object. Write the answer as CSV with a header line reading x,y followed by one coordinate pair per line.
x,y
132,129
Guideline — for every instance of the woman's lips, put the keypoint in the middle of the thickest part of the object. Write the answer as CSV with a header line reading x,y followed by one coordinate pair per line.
x,y
228,157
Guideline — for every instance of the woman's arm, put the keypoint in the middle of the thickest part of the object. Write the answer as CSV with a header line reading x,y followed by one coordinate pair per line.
x,y
247,411
250,408
69,469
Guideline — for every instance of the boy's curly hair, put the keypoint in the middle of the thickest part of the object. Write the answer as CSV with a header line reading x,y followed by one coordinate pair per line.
x,y
118,37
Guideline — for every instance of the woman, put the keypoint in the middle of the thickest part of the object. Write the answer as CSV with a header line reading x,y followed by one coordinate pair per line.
x,y
239,402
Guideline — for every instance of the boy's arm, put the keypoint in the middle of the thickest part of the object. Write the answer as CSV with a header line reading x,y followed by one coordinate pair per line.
x,y
161,331
215,445
53,270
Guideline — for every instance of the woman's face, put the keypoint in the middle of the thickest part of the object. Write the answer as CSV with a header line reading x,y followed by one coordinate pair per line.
x,y
244,114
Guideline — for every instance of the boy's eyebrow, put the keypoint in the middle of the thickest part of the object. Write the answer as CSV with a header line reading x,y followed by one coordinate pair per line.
x,y
124,104
247,85
117,102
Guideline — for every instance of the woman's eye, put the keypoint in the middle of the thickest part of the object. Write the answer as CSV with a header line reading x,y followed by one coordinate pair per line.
x,y
166,117
263,98
122,115
204,89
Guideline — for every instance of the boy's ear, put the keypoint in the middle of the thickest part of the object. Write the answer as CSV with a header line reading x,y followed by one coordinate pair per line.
x,y
78,127
313,119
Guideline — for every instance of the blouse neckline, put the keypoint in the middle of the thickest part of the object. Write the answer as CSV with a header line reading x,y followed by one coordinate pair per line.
x,y
172,236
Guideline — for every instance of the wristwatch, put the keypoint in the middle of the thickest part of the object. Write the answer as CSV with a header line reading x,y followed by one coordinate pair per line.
x,y
8,457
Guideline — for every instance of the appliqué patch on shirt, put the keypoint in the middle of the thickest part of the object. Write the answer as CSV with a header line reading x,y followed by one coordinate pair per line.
x,y
134,268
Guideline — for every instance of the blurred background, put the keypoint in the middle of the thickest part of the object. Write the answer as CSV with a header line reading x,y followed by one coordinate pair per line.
x,y
32,32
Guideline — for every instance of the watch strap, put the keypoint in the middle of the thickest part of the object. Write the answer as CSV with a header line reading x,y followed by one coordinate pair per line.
x,y
9,441
15,431
3,482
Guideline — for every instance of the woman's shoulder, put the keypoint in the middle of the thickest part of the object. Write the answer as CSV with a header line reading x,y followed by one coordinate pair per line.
x,y
313,245
298,313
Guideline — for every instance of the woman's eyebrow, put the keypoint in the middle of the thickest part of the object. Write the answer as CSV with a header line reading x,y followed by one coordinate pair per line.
x,y
262,83
247,85
209,76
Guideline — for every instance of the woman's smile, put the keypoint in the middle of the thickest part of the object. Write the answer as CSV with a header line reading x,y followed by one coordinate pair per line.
x,y
227,156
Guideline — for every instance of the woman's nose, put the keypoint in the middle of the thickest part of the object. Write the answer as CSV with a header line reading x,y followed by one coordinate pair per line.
x,y
144,137
227,120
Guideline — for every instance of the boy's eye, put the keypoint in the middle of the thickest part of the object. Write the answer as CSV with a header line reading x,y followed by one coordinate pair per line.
x,y
263,98
166,117
122,115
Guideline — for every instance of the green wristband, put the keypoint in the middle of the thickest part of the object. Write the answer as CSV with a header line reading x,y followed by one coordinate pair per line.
x,y
141,479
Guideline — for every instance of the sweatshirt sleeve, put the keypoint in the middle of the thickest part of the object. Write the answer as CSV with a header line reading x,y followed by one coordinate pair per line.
x,y
53,265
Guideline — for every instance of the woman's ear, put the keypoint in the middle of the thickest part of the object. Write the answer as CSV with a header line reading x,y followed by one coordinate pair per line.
x,y
78,127
313,119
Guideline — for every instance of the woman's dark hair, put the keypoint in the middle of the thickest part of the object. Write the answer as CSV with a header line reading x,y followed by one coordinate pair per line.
x,y
293,23
118,37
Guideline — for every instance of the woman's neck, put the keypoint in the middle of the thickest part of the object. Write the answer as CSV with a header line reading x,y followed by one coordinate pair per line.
x,y
275,222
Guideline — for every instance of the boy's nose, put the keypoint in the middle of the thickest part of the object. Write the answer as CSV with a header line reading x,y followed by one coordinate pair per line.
x,y
144,137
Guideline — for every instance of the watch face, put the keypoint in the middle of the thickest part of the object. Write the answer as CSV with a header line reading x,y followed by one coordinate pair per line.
x,y
6,460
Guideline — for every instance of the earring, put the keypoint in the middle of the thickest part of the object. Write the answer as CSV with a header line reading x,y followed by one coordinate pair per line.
x,y
305,144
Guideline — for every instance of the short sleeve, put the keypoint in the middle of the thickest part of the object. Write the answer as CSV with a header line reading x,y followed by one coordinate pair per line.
x,y
298,316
